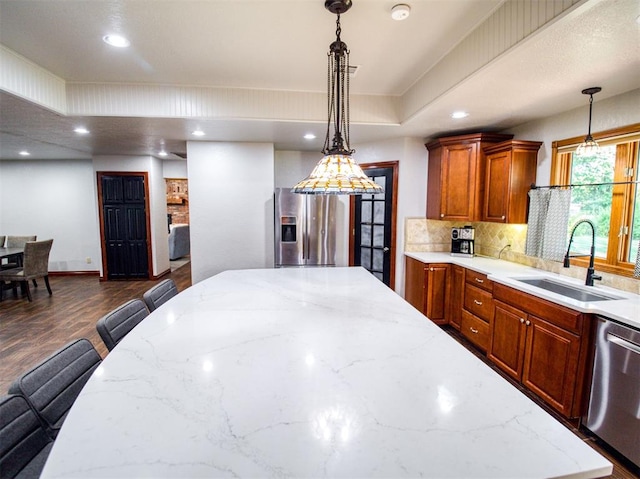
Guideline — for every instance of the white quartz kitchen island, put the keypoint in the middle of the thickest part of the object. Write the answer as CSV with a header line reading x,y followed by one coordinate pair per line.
x,y
309,372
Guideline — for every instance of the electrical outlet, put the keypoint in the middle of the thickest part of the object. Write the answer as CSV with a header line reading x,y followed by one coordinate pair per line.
x,y
88,260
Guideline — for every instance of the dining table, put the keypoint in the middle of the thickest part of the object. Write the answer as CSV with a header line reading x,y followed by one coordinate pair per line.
x,y
11,251
305,372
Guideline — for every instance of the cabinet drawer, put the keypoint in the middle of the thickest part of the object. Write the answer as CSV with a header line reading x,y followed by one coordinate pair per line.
x,y
478,279
478,301
475,330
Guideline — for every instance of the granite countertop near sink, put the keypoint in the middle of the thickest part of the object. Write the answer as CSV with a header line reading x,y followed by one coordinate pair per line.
x,y
625,310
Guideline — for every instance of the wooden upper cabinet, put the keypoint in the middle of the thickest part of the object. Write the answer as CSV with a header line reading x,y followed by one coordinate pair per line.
x,y
510,171
456,176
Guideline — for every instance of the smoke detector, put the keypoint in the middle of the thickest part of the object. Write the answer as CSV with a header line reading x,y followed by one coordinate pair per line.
x,y
400,11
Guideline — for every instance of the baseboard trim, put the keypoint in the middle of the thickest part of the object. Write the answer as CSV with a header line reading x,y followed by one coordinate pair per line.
x,y
74,273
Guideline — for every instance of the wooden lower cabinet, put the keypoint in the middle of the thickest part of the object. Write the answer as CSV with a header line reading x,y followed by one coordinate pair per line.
x,y
457,296
427,288
542,345
551,364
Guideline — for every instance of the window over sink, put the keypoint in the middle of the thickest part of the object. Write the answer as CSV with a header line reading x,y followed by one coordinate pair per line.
x,y
614,209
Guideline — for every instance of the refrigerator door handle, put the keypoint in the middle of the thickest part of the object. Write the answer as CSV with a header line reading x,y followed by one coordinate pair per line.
x,y
305,230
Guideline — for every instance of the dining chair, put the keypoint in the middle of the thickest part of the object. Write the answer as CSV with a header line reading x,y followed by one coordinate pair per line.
x,y
160,294
114,326
36,265
16,242
53,385
24,441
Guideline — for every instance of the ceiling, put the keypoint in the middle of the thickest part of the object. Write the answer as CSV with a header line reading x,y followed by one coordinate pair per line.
x,y
281,45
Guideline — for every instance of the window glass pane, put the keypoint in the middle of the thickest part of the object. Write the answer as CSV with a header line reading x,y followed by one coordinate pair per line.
x,y
365,235
379,276
378,260
378,212
378,235
365,211
592,203
380,180
635,228
365,258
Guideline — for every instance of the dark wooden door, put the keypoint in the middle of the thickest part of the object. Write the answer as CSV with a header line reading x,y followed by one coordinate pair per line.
x,y
125,226
373,225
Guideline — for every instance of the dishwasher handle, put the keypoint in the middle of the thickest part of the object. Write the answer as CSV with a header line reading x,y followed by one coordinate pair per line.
x,y
623,343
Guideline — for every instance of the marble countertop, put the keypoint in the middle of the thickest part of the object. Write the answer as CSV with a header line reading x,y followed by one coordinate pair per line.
x,y
625,310
305,372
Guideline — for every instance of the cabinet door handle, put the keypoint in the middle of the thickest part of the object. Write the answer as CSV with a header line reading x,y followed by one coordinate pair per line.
x,y
430,269
527,322
522,320
441,215
479,303
503,217
478,280
474,331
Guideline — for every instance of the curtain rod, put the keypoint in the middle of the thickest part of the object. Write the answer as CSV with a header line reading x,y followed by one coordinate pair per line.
x,y
535,187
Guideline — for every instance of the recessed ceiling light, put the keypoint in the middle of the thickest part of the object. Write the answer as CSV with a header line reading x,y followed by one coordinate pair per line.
x,y
309,136
400,12
116,41
198,133
24,153
459,114
163,153
81,130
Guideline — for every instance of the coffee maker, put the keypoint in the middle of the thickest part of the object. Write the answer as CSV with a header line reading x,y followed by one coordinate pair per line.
x,y
462,241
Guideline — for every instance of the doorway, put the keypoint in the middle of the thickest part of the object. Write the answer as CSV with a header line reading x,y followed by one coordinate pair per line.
x,y
124,225
372,242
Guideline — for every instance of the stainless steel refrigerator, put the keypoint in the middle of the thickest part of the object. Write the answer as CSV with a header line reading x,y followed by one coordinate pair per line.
x,y
305,229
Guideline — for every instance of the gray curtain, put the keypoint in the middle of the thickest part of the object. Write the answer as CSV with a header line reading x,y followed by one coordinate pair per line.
x,y
548,223
538,206
636,271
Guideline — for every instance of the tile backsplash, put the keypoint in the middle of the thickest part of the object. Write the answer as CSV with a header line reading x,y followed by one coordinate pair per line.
x,y
492,239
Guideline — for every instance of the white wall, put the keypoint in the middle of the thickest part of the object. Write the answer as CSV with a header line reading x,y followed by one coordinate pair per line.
x,y
157,201
412,185
174,168
53,199
230,206
614,112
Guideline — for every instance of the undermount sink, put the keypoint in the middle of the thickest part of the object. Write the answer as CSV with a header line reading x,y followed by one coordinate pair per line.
x,y
568,290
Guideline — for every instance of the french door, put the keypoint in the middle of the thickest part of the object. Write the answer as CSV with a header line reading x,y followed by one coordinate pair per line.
x,y
373,220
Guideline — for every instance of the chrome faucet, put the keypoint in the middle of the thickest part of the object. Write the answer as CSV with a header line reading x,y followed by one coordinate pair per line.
x,y
590,270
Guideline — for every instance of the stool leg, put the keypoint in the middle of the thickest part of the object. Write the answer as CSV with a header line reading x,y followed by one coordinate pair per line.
x,y
28,291
46,282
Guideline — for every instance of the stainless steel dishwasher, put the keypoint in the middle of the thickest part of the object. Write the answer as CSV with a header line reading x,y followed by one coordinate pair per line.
x,y
614,408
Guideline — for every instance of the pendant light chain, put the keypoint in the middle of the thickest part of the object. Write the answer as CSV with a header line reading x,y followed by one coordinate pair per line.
x,y
345,114
329,101
337,173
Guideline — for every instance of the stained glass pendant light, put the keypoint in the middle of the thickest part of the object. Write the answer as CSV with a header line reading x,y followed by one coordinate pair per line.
x,y
589,146
337,173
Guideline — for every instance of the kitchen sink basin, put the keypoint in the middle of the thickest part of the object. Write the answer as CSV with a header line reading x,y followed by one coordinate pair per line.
x,y
568,290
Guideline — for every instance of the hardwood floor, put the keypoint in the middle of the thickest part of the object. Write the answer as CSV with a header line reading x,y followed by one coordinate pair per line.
x,y
29,332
